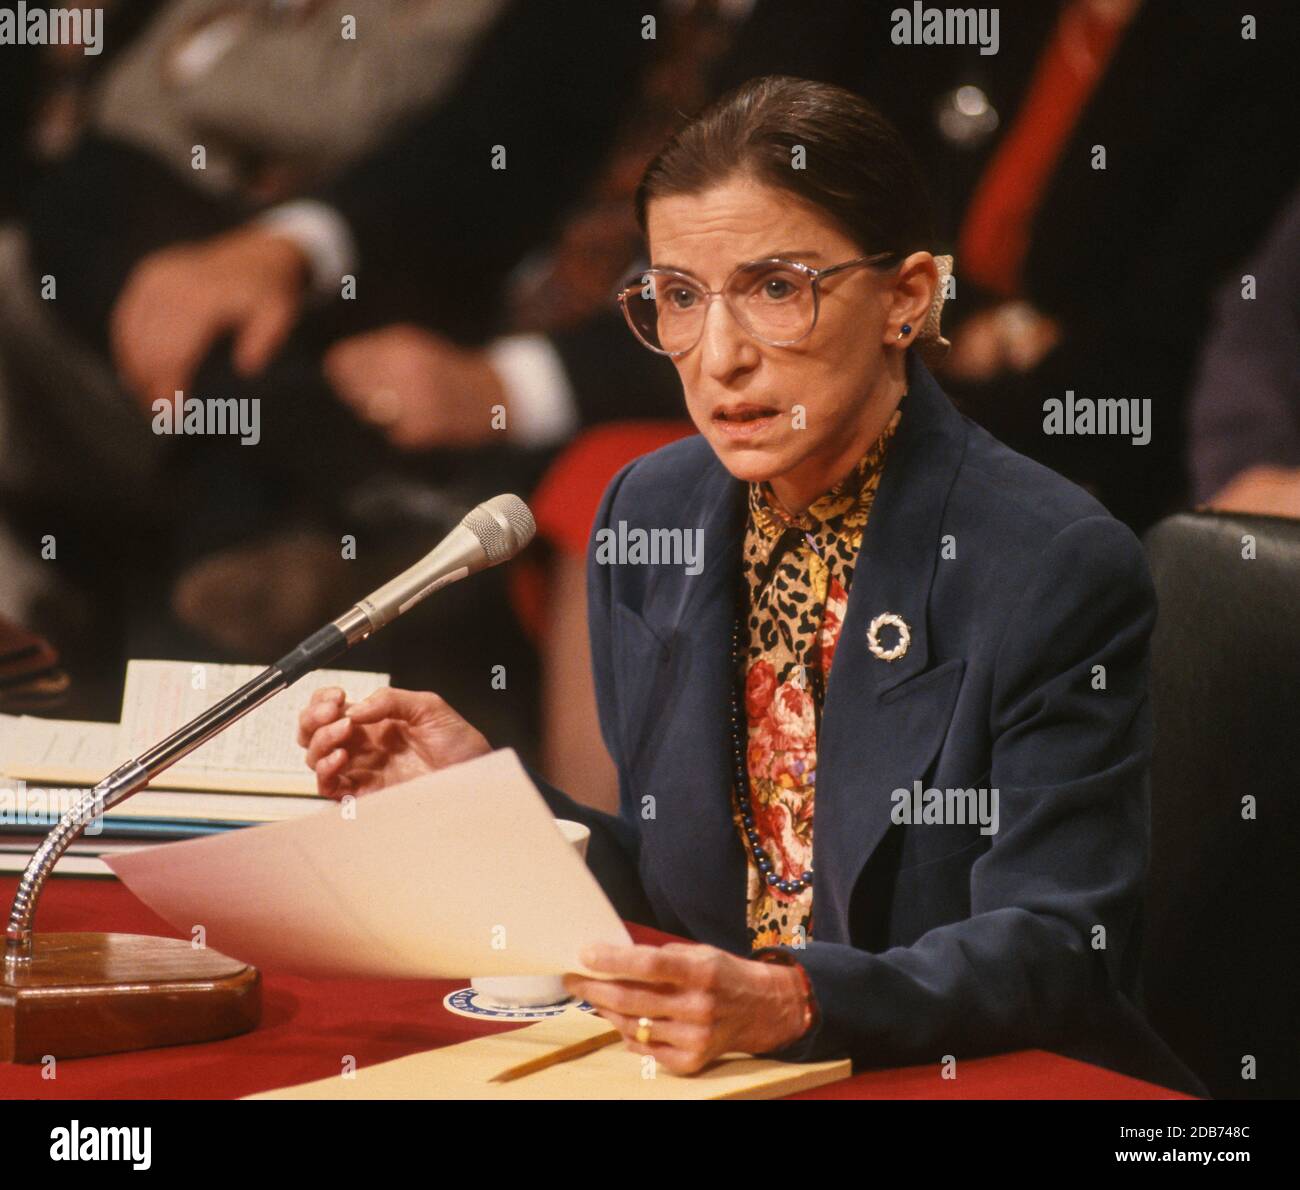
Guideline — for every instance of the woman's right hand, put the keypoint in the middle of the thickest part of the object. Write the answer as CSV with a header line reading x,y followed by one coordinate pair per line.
x,y
385,739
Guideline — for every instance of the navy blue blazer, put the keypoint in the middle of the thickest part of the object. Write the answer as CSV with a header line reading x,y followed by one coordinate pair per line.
x,y
1030,611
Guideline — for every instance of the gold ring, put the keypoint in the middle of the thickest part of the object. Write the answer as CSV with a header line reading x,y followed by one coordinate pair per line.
x,y
643,1030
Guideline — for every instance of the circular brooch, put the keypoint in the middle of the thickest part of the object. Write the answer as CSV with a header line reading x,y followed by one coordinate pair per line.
x,y
873,636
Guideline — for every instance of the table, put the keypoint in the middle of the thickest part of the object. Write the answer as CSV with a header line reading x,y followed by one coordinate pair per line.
x,y
310,1027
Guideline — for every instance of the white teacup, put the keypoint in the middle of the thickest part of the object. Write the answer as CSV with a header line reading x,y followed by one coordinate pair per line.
x,y
533,991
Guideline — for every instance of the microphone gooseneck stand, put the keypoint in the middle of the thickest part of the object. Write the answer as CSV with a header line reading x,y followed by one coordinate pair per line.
x,y
134,775
72,995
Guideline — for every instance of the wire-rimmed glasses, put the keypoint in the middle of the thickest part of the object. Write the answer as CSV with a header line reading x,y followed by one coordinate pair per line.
x,y
775,300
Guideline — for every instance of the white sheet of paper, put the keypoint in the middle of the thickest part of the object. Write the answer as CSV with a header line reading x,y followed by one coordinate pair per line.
x,y
459,873
29,744
259,752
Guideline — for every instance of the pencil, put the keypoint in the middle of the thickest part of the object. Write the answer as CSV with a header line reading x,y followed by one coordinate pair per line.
x,y
586,1046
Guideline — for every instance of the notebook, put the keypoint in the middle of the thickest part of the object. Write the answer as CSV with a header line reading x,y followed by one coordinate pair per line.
x,y
257,754
465,1070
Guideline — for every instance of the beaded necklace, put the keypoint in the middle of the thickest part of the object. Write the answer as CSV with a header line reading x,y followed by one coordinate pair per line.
x,y
740,770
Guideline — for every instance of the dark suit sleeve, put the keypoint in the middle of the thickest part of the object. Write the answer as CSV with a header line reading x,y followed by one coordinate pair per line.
x,y
18,89
614,849
1070,855
1245,406
98,212
550,84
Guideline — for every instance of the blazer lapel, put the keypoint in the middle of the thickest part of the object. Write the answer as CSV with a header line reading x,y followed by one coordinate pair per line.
x,y
689,761
883,721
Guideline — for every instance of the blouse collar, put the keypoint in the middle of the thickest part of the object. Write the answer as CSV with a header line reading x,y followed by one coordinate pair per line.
x,y
828,510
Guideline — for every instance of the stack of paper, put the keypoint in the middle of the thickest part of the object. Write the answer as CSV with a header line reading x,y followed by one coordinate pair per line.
x,y
253,772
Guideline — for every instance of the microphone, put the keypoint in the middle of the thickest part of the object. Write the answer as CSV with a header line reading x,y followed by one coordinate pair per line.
x,y
489,534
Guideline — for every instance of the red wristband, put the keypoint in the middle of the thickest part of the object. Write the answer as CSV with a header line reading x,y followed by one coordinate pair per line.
x,y
811,1014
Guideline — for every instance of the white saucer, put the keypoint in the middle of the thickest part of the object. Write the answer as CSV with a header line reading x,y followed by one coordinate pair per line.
x,y
468,1002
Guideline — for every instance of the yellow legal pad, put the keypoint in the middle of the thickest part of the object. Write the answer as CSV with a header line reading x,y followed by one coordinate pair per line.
x,y
463,1071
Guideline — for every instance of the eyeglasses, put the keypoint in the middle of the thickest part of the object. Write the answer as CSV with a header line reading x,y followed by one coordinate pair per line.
x,y
776,301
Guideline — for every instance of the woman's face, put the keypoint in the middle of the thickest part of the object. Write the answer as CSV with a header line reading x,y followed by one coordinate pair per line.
x,y
847,375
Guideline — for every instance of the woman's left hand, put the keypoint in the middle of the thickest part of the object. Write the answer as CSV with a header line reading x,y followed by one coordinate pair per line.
x,y
703,1002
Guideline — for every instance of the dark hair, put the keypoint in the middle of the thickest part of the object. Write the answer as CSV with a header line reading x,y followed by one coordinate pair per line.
x,y
856,167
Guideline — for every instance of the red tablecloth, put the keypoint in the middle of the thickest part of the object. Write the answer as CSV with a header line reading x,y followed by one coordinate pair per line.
x,y
309,1027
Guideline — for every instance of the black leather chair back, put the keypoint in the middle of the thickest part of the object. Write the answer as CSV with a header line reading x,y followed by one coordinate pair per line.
x,y
1221,963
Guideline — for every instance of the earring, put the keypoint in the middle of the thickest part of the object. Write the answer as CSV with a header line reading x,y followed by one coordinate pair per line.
x,y
907,330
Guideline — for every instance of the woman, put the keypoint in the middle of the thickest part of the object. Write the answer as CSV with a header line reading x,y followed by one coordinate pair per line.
x,y
978,749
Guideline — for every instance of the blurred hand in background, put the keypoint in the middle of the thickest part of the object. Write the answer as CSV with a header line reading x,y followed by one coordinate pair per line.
x,y
179,301
420,389
1011,337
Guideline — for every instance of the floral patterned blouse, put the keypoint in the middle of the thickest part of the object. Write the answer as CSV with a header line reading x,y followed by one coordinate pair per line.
x,y
797,572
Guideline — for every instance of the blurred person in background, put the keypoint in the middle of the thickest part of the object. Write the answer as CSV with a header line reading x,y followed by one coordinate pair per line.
x,y
322,155
1099,280
1245,406
44,97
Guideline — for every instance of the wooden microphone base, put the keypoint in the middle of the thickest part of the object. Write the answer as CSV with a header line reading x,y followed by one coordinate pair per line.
x,y
84,994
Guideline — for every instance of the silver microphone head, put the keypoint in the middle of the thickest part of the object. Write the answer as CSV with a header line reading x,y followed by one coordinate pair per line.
x,y
495,531
503,526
